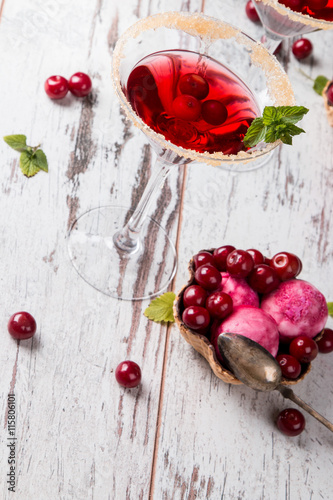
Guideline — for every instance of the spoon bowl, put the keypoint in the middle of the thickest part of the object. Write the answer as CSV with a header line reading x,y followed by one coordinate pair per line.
x,y
257,368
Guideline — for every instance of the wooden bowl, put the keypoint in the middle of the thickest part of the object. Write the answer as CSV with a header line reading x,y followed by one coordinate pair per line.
x,y
202,344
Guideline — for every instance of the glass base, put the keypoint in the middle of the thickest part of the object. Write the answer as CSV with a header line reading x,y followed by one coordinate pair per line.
x,y
142,274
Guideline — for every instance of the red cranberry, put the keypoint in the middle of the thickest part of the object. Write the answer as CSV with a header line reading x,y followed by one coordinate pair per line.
x,y
186,107
296,5
202,258
22,325
214,112
291,422
128,374
287,265
219,305
220,256
208,277
194,295
290,366
329,95
263,279
304,349
251,12
316,4
194,85
56,87
302,48
325,344
239,263
80,84
257,256
196,317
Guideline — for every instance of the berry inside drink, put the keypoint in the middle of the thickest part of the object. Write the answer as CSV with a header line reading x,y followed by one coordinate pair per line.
x,y
319,9
192,100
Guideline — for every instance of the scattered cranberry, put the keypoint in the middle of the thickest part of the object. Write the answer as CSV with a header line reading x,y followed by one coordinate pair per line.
x,y
194,295
186,107
208,277
220,256
304,349
302,48
196,317
329,95
257,256
56,87
128,374
316,4
251,12
194,85
22,325
214,112
239,263
263,279
202,258
80,84
291,422
287,265
290,366
325,344
219,305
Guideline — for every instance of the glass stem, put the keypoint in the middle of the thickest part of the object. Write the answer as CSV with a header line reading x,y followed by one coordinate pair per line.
x,y
128,239
270,42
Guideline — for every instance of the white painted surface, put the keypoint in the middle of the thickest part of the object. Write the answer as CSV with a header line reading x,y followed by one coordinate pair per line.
x,y
183,434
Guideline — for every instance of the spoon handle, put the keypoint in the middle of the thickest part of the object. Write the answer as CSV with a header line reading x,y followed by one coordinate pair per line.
x,y
289,394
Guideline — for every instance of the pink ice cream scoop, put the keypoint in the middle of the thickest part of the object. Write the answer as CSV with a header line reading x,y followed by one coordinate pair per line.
x,y
239,290
251,322
298,309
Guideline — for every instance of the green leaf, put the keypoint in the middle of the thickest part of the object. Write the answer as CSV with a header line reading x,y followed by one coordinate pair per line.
x,y
31,163
160,309
330,308
277,123
41,160
292,114
17,142
319,84
255,133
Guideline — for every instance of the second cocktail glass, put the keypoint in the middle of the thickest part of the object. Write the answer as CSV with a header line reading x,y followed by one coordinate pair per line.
x,y
125,253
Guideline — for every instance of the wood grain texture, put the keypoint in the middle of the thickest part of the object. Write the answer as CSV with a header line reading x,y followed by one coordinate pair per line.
x,y
183,434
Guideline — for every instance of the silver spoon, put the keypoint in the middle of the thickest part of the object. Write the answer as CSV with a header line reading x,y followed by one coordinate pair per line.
x,y
257,368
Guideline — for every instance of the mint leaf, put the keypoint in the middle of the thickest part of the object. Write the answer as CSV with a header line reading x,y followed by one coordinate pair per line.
x,y
330,308
17,142
32,160
40,160
255,133
160,309
31,163
319,84
276,123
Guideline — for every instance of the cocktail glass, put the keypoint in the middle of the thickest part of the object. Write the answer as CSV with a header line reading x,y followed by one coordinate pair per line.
x,y
281,22
125,253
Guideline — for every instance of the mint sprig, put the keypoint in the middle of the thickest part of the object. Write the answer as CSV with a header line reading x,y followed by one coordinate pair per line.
x,y
276,123
161,308
32,159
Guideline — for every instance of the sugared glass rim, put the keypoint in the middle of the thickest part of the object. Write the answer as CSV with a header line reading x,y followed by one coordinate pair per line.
x,y
316,24
208,29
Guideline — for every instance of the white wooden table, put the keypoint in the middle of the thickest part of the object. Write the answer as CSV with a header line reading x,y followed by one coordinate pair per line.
x,y
183,434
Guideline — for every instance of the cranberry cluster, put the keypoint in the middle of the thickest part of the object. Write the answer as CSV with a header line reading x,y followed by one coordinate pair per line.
x,y
57,87
205,300
189,106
